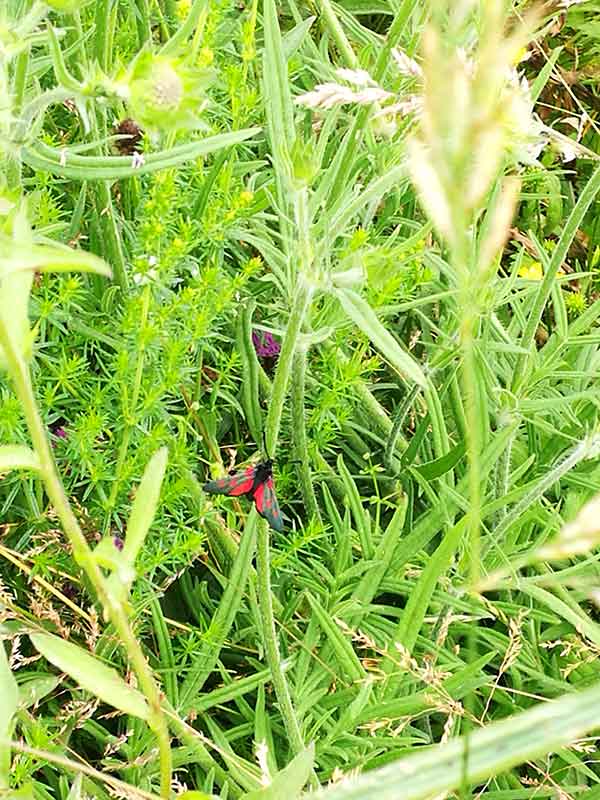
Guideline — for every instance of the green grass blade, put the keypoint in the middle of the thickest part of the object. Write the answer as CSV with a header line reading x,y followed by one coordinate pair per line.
x,y
363,316
348,662
361,518
231,691
168,666
371,580
420,597
222,621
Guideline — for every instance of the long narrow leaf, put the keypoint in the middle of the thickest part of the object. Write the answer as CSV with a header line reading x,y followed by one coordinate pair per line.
x,y
347,659
17,456
49,258
361,313
214,638
91,674
420,597
94,168
144,505
278,106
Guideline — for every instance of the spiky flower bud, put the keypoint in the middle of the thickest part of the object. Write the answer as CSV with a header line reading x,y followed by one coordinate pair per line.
x,y
163,93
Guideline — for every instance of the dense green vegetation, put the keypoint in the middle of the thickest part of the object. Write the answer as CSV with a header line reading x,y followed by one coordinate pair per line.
x,y
359,238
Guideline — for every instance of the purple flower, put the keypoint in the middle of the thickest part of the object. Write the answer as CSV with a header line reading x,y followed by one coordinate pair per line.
x,y
118,543
59,432
265,345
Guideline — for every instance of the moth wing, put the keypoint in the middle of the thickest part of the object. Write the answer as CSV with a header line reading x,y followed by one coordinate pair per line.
x,y
266,504
233,485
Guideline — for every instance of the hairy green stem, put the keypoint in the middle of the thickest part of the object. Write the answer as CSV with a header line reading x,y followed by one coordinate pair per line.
x,y
588,448
469,317
78,56
142,22
285,362
103,9
304,286
302,282
270,642
338,35
273,424
83,555
299,434
503,478
113,247
470,388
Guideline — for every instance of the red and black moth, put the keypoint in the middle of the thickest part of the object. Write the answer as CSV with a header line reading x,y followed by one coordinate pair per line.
x,y
254,482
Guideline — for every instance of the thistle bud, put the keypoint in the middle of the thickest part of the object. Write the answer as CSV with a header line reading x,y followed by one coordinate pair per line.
x,y
163,93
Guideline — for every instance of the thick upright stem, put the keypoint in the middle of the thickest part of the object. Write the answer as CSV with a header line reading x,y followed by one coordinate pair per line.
x,y
103,11
270,640
299,434
470,388
285,362
300,306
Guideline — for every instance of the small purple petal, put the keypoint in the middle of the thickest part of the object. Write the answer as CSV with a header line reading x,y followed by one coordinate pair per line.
x,y
118,543
272,344
59,432
265,344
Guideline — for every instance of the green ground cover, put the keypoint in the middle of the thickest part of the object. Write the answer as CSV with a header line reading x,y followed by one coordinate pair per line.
x,y
357,238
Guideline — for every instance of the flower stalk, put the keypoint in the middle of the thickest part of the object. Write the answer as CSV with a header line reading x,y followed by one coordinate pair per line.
x,y
271,644
299,433
304,283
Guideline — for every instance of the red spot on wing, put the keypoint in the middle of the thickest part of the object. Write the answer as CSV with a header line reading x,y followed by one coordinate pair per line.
x,y
259,497
263,494
241,482
267,505
233,486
